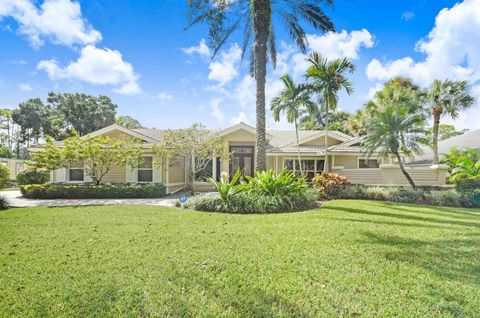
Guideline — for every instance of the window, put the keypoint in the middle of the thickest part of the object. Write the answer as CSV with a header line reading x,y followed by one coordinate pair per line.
x,y
207,172
145,170
310,167
75,173
368,163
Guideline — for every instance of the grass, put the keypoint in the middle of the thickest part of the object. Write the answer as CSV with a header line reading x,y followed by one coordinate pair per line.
x,y
347,259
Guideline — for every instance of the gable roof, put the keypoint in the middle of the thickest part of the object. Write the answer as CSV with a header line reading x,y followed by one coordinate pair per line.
x,y
469,139
239,126
127,131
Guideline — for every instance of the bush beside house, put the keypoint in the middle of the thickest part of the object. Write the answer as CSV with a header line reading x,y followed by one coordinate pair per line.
x,y
90,191
32,176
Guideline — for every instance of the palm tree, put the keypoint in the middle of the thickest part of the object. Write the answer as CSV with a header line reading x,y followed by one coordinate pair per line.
x,y
327,79
447,97
292,99
392,131
256,18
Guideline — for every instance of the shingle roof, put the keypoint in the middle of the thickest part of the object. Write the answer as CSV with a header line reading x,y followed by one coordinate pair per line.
x,y
156,134
467,140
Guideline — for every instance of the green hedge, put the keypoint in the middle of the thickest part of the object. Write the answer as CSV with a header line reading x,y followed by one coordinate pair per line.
x,y
32,176
73,191
405,195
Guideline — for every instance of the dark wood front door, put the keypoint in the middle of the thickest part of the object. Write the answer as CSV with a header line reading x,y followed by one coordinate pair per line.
x,y
242,158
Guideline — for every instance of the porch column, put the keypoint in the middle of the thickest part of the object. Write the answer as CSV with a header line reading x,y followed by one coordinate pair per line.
x,y
214,168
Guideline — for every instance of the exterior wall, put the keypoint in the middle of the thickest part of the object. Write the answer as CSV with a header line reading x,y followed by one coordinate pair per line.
x,y
348,162
175,176
15,166
321,141
237,138
117,174
390,174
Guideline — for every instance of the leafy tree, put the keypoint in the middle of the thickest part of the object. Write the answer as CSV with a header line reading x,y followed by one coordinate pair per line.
x,y
462,164
31,116
128,122
327,78
449,98
445,131
6,128
98,155
256,18
315,119
196,145
394,132
292,100
80,112
357,123
5,152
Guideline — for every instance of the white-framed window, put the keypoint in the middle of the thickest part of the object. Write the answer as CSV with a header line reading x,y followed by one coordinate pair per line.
x,y
368,163
145,170
310,167
76,173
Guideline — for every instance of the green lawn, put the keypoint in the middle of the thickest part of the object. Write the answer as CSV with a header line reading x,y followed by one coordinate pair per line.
x,y
347,259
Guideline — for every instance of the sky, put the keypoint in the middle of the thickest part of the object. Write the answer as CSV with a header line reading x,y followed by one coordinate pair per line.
x,y
137,53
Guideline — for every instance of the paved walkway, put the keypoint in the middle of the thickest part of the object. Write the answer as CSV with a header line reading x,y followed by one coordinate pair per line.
x,y
17,200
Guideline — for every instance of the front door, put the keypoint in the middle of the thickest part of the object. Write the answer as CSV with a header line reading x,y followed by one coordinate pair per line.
x,y
242,158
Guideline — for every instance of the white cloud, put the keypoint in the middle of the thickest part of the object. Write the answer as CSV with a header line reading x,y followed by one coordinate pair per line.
x,y
96,66
407,15
373,90
225,68
25,87
215,109
201,49
59,21
17,62
240,117
164,96
451,51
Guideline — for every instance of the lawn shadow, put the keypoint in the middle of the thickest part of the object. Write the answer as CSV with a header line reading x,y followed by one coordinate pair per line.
x,y
444,258
408,217
388,223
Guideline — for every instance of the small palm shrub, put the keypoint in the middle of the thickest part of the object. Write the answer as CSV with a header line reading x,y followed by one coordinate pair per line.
x,y
4,176
225,188
32,176
268,192
4,203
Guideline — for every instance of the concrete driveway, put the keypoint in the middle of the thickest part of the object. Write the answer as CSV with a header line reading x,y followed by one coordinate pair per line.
x,y
17,200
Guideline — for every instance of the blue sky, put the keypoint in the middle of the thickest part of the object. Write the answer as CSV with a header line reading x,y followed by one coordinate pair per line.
x,y
137,53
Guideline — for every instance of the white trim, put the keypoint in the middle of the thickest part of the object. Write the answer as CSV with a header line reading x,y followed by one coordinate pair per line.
x,y
240,126
320,134
127,131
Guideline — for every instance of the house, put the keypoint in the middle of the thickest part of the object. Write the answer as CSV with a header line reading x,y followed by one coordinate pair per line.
x,y
469,139
344,153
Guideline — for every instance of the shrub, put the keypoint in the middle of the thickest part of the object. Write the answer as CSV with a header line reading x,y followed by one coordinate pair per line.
x,y
445,198
270,183
32,176
467,185
83,191
227,189
328,183
4,203
246,202
4,176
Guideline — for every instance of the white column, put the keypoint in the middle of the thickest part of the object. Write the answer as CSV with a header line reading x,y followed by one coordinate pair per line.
x,y
214,168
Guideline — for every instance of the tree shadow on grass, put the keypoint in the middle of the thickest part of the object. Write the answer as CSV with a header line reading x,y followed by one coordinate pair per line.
x,y
409,217
389,223
453,259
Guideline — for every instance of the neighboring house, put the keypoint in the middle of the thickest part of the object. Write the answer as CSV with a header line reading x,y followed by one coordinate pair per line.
x,y
14,165
345,158
469,139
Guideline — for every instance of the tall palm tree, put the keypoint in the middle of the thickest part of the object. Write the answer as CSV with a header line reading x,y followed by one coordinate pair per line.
x,y
392,131
447,97
327,79
256,18
292,100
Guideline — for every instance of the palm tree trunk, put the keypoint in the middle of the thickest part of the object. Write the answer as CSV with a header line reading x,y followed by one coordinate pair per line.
x,y
261,13
437,112
325,164
405,173
298,148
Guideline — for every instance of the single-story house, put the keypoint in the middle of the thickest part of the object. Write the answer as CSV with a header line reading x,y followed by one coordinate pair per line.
x,y
344,153
469,139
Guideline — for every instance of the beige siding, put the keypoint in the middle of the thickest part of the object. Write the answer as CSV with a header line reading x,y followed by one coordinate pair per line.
x,y
362,176
321,141
117,174
348,162
176,172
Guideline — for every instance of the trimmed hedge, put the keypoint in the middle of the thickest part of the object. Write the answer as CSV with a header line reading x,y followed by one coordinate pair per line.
x,y
405,195
248,202
32,176
87,191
